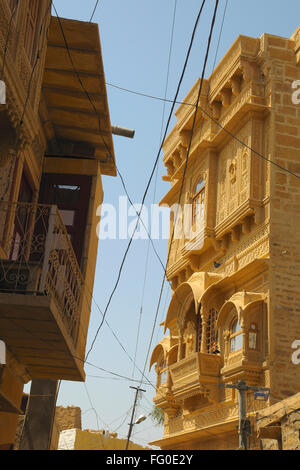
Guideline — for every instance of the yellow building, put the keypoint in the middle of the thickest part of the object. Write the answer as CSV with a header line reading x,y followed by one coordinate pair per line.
x,y
55,143
278,426
77,439
235,309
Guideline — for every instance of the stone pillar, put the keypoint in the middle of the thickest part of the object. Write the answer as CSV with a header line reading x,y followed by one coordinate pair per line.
x,y
37,430
180,347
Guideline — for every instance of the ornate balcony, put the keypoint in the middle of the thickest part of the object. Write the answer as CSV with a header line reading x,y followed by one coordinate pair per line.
x,y
196,375
41,290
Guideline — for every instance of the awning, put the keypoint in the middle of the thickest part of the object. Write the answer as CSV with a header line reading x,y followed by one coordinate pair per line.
x,y
74,94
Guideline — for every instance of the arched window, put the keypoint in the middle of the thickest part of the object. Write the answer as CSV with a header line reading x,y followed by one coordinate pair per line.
x,y
236,339
211,332
198,202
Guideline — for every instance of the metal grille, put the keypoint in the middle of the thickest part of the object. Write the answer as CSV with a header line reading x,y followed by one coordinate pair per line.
x,y
37,257
211,332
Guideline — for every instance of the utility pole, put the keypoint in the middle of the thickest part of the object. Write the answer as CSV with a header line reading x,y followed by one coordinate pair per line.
x,y
244,424
138,389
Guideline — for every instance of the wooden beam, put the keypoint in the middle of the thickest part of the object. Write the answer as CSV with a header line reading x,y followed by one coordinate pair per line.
x,y
72,72
72,48
95,131
68,110
270,432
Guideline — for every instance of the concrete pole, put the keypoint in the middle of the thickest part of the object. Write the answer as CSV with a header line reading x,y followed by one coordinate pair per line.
x,y
37,429
132,415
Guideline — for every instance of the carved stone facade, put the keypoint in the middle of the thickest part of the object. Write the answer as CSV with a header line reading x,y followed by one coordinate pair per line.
x,y
234,313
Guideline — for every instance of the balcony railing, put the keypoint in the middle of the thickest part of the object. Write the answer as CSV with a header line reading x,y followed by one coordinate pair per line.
x,y
37,258
196,374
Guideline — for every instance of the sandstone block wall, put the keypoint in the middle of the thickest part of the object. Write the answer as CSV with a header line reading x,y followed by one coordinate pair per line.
x,y
283,70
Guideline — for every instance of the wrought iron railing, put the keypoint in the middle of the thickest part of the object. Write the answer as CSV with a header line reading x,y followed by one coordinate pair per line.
x,y
37,257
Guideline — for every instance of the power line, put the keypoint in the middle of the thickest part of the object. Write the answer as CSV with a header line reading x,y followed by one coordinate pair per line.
x,y
155,184
184,172
109,155
94,11
141,220
91,102
212,119
220,35
94,409
150,179
127,379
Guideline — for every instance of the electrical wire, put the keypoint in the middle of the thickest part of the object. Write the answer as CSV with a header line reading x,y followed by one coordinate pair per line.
x,y
127,379
212,119
155,183
150,179
94,409
109,155
91,102
220,35
184,174
94,11
125,255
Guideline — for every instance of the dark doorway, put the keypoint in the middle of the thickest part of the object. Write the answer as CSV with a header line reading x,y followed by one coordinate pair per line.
x,y
71,194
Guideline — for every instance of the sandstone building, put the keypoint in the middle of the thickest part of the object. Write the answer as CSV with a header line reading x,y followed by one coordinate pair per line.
x,y
278,426
235,309
54,149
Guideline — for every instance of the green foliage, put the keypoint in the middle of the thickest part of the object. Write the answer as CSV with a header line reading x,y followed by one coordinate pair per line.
x,y
157,416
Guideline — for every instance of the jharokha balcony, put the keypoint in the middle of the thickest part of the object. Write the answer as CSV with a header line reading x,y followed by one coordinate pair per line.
x,y
41,291
197,374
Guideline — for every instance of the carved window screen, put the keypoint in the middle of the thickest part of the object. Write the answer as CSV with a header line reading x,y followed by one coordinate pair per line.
x,y
211,331
13,4
31,29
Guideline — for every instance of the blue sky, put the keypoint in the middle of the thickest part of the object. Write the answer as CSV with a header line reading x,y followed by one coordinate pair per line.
x,y
135,37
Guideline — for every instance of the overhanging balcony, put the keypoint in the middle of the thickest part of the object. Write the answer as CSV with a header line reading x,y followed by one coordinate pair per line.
x,y
41,291
197,374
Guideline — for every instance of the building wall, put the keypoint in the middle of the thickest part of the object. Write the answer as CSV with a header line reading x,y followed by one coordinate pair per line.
x,y
285,217
21,147
242,260
26,133
283,420
76,439
68,418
